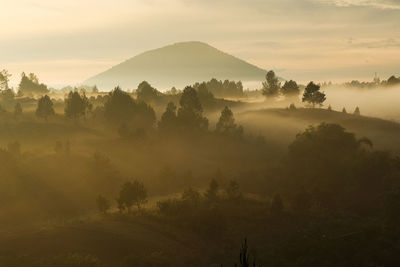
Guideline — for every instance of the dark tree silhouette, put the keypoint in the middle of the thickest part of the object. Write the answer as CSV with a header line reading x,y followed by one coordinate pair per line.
x,y
271,86
393,80
30,85
145,92
45,107
313,95
357,111
132,193
119,106
290,89
205,96
169,119
190,113
4,79
76,105
226,124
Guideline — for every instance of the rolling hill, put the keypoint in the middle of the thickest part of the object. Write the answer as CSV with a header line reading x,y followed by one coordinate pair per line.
x,y
177,65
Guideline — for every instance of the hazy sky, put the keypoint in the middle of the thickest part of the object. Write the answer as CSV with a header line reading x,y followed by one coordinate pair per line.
x,y
65,42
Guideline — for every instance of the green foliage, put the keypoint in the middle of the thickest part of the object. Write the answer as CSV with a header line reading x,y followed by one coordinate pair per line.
x,y
30,85
313,95
132,193
45,107
76,105
272,85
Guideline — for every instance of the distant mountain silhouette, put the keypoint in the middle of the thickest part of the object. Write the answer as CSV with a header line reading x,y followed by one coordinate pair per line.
x,y
177,65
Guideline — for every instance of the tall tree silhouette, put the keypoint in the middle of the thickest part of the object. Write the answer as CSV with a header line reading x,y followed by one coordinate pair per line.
x,y
45,107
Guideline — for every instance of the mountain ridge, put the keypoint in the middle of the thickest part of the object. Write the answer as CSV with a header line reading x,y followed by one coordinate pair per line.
x,y
179,64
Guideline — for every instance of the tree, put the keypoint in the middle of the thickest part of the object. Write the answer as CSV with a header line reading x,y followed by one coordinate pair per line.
x,y
4,79
76,105
190,113
313,96
18,110
205,96
145,92
45,107
344,111
103,204
30,85
169,119
119,106
226,124
324,159
393,80
357,111
212,192
271,86
290,89
132,193
95,90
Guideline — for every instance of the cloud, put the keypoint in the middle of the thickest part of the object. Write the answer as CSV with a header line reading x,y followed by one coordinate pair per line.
x,y
381,4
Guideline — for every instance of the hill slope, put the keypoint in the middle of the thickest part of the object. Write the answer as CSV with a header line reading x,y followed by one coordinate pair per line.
x,y
178,65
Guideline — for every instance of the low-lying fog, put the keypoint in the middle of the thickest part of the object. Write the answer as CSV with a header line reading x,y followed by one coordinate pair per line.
x,y
382,102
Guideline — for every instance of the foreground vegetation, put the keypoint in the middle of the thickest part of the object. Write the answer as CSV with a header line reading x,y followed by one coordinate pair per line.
x,y
180,179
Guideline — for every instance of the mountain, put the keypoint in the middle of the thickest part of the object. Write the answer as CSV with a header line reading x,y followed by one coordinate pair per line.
x,y
177,65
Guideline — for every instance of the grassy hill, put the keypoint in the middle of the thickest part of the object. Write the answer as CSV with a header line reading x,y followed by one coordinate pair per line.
x,y
177,65
282,125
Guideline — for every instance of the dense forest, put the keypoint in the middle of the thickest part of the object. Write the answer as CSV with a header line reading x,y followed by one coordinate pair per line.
x,y
197,176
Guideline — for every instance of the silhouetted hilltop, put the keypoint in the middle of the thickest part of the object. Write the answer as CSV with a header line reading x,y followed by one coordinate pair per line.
x,y
177,65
